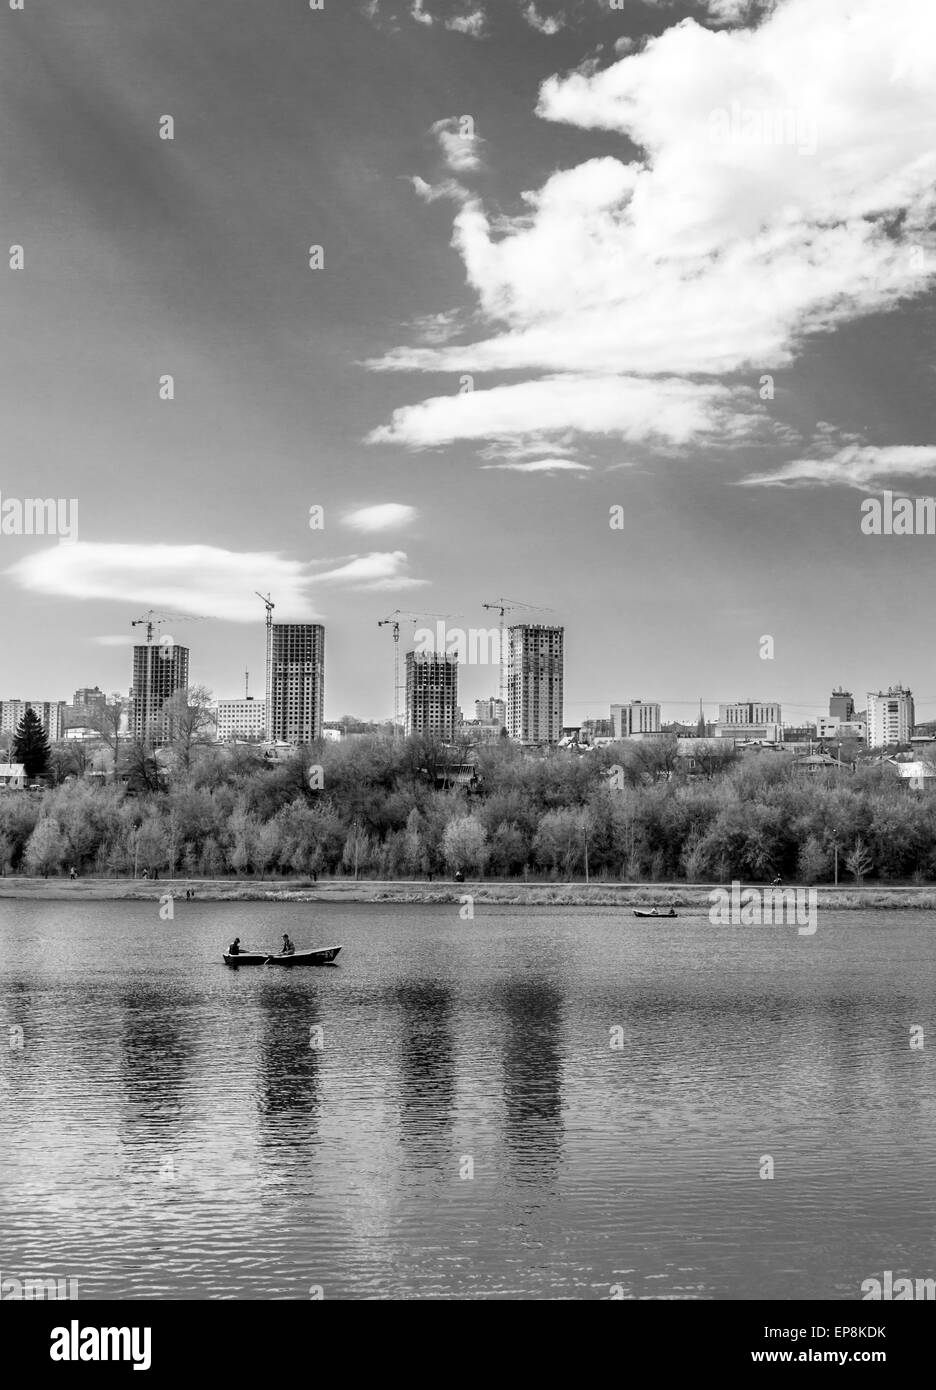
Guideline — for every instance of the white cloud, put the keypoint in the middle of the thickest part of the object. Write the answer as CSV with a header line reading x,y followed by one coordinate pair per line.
x,y
729,11
784,185
432,192
542,466
380,518
197,579
472,24
531,446
857,466
114,639
419,14
460,145
544,24
438,328
375,571
671,411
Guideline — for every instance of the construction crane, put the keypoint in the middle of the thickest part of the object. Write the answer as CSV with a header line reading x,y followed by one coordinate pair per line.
x,y
270,605
394,620
502,606
153,619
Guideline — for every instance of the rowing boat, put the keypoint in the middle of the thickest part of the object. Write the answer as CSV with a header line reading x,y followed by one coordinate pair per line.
x,y
639,913
324,955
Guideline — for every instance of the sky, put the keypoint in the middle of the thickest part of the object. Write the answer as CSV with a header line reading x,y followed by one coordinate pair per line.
x,y
669,266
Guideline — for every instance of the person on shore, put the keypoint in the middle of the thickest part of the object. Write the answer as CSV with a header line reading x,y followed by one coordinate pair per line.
x,y
288,948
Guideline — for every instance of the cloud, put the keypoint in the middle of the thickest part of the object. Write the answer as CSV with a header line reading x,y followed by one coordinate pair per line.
x,y
197,579
727,11
542,466
419,14
432,192
459,143
472,24
777,183
438,328
671,411
380,518
857,466
544,24
114,639
375,571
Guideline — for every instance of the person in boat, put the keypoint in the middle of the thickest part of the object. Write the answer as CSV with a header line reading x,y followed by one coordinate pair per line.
x,y
234,948
288,948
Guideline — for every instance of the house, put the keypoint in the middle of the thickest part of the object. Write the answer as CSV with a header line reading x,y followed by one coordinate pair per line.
x,y
820,762
920,777
12,777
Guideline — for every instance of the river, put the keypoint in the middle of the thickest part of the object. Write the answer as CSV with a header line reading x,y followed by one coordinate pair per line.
x,y
545,1103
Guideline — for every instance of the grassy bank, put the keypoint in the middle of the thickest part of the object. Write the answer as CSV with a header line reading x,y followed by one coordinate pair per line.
x,y
688,896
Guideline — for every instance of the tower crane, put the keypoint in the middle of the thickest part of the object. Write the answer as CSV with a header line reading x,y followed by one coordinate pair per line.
x,y
502,606
269,605
394,620
153,619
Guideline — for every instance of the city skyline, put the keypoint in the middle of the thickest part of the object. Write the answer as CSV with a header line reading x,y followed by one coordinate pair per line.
x,y
670,711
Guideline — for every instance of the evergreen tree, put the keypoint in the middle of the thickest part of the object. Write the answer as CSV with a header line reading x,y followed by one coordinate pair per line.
x,y
31,746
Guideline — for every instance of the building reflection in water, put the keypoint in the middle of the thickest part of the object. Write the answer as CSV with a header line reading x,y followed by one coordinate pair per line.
x,y
290,1051
158,1042
427,1073
533,1126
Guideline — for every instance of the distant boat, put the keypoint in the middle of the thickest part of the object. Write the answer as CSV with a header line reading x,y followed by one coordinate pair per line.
x,y
324,955
639,912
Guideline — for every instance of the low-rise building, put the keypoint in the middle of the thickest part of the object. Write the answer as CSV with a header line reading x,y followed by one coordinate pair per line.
x,y
635,719
244,718
12,777
832,726
820,762
919,776
481,730
750,719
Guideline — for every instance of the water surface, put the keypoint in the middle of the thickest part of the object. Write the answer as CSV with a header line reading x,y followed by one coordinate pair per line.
x,y
171,1128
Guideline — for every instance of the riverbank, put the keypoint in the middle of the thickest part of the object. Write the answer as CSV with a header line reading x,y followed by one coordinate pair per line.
x,y
522,894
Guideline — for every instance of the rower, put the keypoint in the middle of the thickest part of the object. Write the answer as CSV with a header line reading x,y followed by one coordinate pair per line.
x,y
288,948
234,948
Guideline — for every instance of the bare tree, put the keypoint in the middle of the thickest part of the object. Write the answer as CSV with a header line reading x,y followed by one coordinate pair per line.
x,y
859,862
187,722
106,719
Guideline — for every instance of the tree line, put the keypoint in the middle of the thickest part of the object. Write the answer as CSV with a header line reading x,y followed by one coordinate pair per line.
x,y
385,808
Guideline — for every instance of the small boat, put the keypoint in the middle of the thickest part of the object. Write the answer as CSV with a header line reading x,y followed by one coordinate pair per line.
x,y
323,955
639,912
